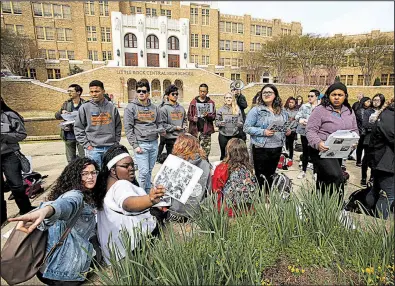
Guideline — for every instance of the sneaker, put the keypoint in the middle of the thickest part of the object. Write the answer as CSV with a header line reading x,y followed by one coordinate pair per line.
x,y
289,163
363,183
302,175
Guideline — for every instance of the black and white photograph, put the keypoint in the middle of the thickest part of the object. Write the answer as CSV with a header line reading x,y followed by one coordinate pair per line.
x,y
179,177
345,148
339,144
338,141
203,108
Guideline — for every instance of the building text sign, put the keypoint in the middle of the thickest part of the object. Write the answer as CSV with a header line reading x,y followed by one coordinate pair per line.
x,y
134,72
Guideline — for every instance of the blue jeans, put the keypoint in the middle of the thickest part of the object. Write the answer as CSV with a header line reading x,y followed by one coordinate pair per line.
x,y
146,162
96,154
384,181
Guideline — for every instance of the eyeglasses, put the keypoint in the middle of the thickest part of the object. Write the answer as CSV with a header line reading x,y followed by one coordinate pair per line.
x,y
141,91
92,174
127,166
267,93
174,93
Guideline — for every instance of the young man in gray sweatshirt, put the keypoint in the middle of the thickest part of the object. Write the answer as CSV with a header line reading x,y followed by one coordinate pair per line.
x,y
174,117
143,123
98,124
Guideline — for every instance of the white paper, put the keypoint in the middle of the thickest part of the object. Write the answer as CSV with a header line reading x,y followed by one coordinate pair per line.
x,y
70,116
340,144
204,107
179,177
165,201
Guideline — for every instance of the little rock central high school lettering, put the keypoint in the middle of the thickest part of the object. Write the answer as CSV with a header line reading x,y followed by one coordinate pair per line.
x,y
178,73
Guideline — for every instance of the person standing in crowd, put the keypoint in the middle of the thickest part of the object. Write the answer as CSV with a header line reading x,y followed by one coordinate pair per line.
x,y
363,113
174,118
290,108
360,114
67,131
356,104
299,101
12,132
187,147
234,180
98,124
242,104
121,204
165,98
142,121
201,123
381,153
228,120
302,117
73,190
334,113
266,143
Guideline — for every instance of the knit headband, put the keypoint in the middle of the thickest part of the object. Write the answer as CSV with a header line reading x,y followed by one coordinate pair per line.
x,y
337,85
117,158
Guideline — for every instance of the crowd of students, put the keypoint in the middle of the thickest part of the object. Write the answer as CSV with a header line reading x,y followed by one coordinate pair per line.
x,y
103,183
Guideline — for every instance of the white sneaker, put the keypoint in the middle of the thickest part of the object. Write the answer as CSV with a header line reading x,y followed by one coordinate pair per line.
x,y
302,175
310,166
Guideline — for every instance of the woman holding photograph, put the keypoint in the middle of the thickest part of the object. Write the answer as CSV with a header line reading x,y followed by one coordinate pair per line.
x,y
266,143
187,147
73,190
302,117
334,113
121,204
228,120
234,180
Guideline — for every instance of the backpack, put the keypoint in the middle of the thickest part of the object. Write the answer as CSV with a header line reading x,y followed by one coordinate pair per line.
x,y
33,183
282,184
358,200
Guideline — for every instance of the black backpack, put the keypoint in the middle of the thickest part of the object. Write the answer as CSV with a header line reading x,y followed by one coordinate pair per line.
x,y
282,184
357,202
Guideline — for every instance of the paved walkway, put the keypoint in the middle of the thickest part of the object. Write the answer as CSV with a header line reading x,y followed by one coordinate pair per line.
x,y
49,159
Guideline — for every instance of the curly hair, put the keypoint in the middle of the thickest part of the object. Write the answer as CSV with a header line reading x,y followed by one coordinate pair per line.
x,y
101,191
187,147
237,155
277,103
70,179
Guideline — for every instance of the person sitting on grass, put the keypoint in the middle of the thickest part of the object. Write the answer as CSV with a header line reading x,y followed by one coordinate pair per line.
x,y
73,190
234,180
122,204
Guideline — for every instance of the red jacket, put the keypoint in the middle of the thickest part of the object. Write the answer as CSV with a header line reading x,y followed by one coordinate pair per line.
x,y
208,128
220,177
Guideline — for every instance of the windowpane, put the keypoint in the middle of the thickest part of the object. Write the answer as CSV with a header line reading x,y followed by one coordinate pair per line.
x,y
234,46
103,4
47,10
37,9
33,73
19,29
173,43
16,7
57,73
50,73
60,34
360,80
221,45
152,42
95,56
350,79
234,27
90,55
70,55
384,78
40,33
42,53
228,27
240,47
62,54
104,55
66,12
392,79
51,54
109,55
221,26
57,11
69,34
49,33
6,7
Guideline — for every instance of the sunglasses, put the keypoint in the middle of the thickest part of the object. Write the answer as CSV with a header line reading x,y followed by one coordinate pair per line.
x,y
174,93
141,91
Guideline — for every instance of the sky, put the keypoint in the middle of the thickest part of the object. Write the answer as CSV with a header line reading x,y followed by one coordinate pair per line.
x,y
320,17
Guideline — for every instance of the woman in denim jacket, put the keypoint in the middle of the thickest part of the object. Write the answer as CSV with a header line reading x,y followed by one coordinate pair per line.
x,y
73,189
266,143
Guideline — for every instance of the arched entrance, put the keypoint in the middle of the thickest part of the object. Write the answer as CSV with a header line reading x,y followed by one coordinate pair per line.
x,y
131,89
155,90
166,84
178,83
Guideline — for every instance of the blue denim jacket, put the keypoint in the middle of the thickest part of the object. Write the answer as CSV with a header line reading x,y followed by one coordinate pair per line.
x,y
258,119
70,261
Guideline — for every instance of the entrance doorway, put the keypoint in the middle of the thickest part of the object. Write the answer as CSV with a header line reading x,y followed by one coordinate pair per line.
x,y
152,60
131,59
173,61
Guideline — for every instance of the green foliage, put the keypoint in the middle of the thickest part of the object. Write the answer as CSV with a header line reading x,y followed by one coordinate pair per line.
x,y
310,231
377,82
76,69
337,78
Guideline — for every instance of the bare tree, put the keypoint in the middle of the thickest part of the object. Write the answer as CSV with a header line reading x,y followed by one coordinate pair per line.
x,y
332,54
277,55
306,51
17,51
295,83
253,64
370,53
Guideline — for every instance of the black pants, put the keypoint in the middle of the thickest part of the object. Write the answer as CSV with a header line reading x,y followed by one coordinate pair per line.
x,y
51,282
289,144
329,173
161,145
360,148
223,141
12,170
265,164
364,169
305,150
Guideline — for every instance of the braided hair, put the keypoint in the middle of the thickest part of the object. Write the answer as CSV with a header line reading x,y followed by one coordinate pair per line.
x,y
111,153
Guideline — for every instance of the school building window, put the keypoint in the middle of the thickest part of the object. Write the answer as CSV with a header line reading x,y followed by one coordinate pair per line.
x,y
234,76
206,41
53,73
107,55
194,16
89,7
103,5
384,79
194,40
205,17
105,34
360,80
91,33
11,7
92,55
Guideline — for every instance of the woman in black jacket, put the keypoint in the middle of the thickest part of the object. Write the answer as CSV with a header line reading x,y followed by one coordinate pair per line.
x,y
381,159
364,104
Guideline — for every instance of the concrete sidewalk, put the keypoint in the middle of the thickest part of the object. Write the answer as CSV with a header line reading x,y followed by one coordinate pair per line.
x,y
49,159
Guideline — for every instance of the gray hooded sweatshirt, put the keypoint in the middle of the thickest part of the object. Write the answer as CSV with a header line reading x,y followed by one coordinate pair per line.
x,y
173,116
98,124
192,206
231,128
142,122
